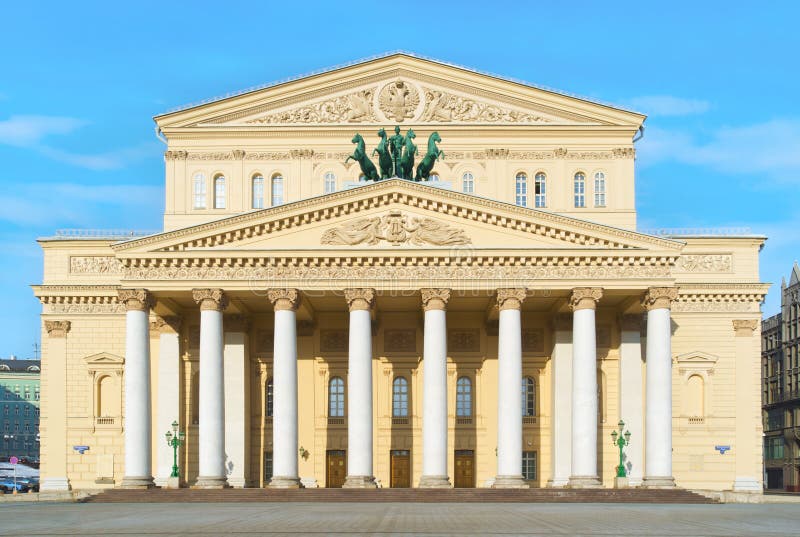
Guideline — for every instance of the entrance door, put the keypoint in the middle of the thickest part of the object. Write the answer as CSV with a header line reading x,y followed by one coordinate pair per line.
x,y
401,469
337,469
465,469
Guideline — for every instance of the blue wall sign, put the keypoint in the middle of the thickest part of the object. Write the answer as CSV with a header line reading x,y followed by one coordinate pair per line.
x,y
81,449
722,449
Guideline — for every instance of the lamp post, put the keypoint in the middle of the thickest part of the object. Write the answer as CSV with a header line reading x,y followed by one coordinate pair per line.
x,y
621,440
8,438
175,439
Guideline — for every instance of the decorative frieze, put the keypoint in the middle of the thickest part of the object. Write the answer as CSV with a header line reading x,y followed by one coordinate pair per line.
x,y
210,299
704,263
435,299
268,155
176,155
135,299
400,340
510,298
720,298
359,299
333,340
659,298
585,298
57,329
444,107
395,228
211,155
95,264
355,107
464,340
284,299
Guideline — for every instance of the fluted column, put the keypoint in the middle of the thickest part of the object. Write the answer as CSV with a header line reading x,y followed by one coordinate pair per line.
x,y
138,415
169,393
359,390
54,408
658,388
584,387
434,390
284,378
509,393
746,447
211,454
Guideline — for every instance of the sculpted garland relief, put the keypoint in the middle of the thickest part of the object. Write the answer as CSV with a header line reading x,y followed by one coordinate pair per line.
x,y
396,229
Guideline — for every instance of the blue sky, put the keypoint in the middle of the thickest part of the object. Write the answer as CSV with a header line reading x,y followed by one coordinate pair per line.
x,y
80,82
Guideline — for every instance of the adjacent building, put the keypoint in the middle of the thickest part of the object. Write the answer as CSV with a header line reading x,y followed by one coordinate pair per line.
x,y
780,358
19,398
489,325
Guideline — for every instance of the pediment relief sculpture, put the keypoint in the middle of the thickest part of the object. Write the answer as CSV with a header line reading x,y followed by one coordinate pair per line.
x,y
356,107
395,228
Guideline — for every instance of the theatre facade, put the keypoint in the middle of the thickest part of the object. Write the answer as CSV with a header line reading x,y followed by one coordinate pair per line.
x,y
309,319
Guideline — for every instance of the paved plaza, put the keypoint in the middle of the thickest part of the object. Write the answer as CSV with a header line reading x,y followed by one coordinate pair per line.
x,y
384,519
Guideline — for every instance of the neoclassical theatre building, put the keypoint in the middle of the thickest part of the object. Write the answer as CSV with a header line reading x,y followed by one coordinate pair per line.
x,y
312,320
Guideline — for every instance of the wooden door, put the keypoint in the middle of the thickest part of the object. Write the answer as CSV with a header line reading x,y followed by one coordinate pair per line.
x,y
337,469
465,469
401,469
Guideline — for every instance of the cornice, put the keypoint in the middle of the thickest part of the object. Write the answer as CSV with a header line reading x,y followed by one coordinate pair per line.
x,y
397,191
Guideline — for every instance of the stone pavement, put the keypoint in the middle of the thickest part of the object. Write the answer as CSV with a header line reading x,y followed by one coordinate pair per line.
x,y
273,519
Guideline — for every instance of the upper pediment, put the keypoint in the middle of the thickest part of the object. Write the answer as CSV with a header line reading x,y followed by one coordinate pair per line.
x,y
399,89
396,215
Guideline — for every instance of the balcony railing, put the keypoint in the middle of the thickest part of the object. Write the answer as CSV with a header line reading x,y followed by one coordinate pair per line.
x,y
464,420
400,421
104,420
336,421
696,420
529,420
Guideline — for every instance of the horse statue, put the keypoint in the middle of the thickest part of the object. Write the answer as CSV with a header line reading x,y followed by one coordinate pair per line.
x,y
384,156
360,156
434,153
407,160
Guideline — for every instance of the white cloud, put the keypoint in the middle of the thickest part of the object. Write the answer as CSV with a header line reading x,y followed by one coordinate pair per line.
x,y
109,160
26,131
769,148
668,105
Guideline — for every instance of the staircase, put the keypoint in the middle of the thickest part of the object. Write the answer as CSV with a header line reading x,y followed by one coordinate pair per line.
x,y
401,495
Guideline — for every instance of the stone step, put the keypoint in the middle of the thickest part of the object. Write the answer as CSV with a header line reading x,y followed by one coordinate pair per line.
x,y
401,495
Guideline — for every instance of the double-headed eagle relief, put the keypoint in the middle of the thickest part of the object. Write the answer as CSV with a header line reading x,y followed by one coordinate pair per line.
x,y
396,156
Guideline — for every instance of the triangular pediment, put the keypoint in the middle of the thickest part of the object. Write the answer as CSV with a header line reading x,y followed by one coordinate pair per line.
x,y
398,89
396,215
104,362
696,359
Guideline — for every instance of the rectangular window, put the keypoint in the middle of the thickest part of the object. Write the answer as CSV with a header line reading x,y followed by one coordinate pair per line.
x,y
522,190
599,189
199,191
267,466
529,465
277,190
580,190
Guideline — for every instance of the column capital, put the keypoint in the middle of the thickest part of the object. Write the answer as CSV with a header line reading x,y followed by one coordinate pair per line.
x,y
284,299
511,299
135,299
630,323
360,298
169,324
57,328
435,299
745,327
210,299
585,298
659,298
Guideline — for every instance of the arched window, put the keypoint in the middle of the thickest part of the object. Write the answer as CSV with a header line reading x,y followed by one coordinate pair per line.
x,y
434,177
199,190
580,189
277,190
540,187
330,182
468,183
599,189
464,397
528,396
336,398
258,192
269,398
522,190
695,397
400,398
219,192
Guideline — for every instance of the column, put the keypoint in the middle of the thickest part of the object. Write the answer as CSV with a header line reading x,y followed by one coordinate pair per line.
x,y
284,379
434,390
54,408
509,392
138,422
584,388
237,399
168,398
562,401
359,390
747,444
630,394
211,456
658,388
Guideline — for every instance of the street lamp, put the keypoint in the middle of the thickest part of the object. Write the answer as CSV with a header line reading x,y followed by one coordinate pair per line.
x,y
621,439
175,439
7,438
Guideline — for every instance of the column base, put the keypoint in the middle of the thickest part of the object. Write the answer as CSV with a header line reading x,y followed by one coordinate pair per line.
x,y
622,483
54,484
359,482
658,482
137,482
510,482
282,482
211,482
557,483
747,484
237,482
434,482
584,482
172,483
